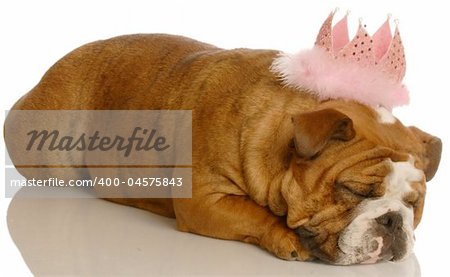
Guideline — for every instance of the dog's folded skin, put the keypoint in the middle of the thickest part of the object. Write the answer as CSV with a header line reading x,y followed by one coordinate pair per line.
x,y
272,165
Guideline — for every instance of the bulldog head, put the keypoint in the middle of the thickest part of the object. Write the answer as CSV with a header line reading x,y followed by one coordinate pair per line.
x,y
361,176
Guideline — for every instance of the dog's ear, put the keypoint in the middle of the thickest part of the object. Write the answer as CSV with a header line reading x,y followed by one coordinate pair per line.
x,y
313,130
433,149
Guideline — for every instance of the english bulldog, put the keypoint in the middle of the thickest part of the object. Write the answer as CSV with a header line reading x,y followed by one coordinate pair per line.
x,y
272,165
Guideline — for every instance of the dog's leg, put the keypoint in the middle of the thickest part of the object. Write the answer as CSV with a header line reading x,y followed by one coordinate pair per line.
x,y
238,218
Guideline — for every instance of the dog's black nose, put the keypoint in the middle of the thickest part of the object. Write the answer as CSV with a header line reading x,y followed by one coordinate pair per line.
x,y
392,221
394,237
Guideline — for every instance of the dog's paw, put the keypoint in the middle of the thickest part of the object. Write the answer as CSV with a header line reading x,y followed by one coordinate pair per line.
x,y
285,244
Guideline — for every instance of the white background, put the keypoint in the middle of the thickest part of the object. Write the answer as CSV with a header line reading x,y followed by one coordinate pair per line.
x,y
35,34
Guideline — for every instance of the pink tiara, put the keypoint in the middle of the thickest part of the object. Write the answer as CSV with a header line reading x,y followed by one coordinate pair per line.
x,y
368,69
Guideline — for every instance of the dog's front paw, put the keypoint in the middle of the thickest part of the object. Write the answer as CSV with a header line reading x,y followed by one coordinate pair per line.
x,y
284,243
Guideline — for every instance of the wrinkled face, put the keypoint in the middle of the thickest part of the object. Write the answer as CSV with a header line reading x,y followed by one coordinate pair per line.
x,y
361,176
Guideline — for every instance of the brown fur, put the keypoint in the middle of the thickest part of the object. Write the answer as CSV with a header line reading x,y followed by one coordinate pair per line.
x,y
249,181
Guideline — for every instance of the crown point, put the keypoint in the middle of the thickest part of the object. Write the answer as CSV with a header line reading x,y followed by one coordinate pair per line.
x,y
347,13
396,22
335,10
389,16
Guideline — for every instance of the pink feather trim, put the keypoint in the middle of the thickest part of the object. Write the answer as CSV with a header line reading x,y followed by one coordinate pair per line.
x,y
318,72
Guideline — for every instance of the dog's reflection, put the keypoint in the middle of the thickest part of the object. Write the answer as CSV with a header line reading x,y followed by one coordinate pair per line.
x,y
87,236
